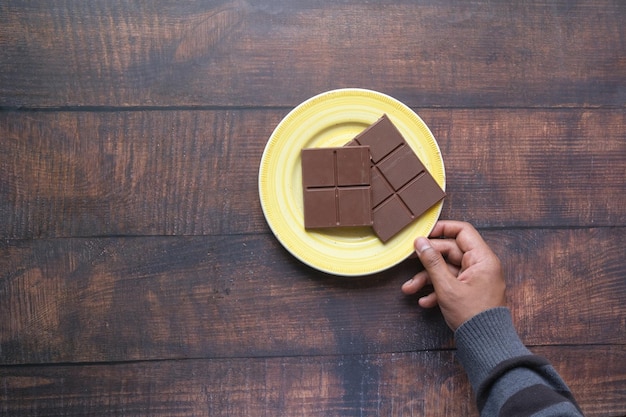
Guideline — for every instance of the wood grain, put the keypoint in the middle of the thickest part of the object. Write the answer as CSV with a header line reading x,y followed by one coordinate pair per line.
x,y
237,53
66,174
414,384
138,275
117,299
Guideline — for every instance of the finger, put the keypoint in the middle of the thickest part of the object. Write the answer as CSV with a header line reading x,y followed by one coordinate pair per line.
x,y
434,264
428,301
445,225
466,236
449,250
454,270
416,283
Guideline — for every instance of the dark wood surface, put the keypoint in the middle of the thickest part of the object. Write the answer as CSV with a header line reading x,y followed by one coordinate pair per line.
x,y
138,276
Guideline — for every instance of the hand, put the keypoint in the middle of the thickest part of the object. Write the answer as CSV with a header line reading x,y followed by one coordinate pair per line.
x,y
465,273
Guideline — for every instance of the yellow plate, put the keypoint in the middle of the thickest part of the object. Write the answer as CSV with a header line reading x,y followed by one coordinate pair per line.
x,y
332,119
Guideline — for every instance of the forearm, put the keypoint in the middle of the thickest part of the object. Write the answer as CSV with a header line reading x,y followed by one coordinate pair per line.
x,y
506,377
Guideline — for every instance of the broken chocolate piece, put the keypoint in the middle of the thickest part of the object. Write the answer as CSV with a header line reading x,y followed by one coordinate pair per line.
x,y
336,185
402,188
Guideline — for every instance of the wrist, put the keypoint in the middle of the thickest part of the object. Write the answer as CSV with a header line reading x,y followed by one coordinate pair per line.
x,y
486,340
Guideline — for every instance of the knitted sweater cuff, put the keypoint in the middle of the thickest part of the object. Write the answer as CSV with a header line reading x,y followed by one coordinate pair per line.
x,y
486,340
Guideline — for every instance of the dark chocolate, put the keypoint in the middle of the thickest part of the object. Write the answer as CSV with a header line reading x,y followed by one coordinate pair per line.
x,y
336,187
402,188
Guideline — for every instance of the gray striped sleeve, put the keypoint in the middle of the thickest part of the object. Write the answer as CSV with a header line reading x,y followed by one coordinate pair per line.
x,y
508,380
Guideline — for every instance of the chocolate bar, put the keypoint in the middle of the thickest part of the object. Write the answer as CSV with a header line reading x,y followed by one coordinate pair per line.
x,y
402,188
336,184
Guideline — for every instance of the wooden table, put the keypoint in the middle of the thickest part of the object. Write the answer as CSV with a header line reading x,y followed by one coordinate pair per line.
x,y
138,276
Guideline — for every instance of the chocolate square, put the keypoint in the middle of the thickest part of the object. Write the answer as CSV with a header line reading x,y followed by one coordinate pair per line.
x,y
419,194
382,137
400,167
391,216
318,168
381,190
402,188
336,187
352,167
355,206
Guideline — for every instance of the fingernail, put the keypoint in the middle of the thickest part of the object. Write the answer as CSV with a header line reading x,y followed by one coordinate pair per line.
x,y
421,244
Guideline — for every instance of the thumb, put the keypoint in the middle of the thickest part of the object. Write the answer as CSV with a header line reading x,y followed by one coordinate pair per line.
x,y
433,262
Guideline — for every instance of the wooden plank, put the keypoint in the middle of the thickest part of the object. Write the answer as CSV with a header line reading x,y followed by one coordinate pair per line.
x,y
523,168
120,299
237,53
78,174
415,384
65,174
564,285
